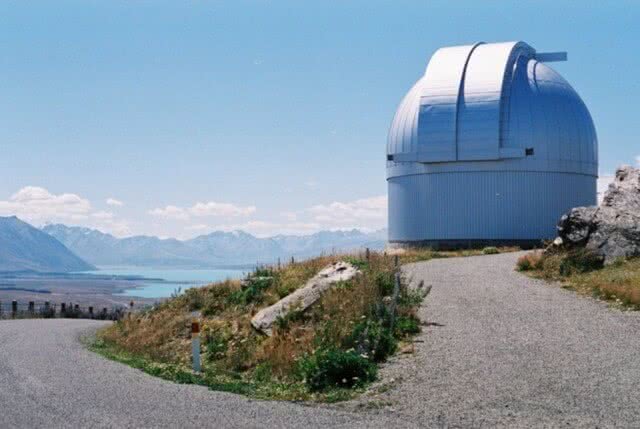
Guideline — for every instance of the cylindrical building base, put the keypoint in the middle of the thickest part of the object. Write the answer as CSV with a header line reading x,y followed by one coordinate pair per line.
x,y
456,209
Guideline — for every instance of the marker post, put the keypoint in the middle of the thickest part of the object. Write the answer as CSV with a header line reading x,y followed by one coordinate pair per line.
x,y
195,344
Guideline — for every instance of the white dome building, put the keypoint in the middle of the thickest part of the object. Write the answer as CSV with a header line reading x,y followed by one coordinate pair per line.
x,y
490,146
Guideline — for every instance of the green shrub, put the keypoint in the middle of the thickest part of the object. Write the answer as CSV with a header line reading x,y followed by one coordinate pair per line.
x,y
215,299
385,281
358,263
372,339
215,346
283,290
490,250
252,291
523,264
263,272
407,325
262,373
336,368
580,261
412,298
242,354
194,299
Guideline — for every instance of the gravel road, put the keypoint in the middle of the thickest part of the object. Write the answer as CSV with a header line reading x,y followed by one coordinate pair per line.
x,y
48,379
501,350
504,350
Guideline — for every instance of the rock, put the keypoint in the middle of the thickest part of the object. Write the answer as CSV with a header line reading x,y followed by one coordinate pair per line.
x,y
575,226
612,229
304,297
407,349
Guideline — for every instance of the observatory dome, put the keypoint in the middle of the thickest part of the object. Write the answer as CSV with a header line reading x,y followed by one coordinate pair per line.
x,y
490,146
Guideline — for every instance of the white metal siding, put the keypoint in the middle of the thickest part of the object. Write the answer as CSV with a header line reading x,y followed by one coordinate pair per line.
x,y
499,205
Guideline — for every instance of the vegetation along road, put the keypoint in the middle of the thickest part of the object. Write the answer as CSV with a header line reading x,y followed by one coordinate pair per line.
x,y
501,349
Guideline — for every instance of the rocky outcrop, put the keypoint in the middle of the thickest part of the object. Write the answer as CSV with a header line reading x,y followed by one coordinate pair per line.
x,y
612,229
304,297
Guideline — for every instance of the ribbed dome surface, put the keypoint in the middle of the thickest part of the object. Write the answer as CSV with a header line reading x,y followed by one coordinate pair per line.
x,y
534,108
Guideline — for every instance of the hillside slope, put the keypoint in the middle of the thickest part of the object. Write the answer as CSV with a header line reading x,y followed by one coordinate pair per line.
x,y
25,248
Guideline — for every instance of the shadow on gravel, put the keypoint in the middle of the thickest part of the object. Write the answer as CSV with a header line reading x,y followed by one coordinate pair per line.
x,y
433,324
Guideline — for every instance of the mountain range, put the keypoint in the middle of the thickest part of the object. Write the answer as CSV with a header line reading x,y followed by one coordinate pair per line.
x,y
25,248
211,250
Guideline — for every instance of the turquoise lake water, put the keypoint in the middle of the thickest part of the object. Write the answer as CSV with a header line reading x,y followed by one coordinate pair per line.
x,y
169,280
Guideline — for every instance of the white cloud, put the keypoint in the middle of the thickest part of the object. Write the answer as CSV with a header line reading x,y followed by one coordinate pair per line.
x,y
199,209
38,206
170,212
365,213
221,209
119,228
102,215
114,202
638,160
289,216
198,227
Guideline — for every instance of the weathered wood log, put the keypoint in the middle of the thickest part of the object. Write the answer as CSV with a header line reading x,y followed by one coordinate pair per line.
x,y
304,297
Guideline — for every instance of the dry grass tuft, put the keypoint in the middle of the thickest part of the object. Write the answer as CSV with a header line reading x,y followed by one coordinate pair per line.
x,y
584,272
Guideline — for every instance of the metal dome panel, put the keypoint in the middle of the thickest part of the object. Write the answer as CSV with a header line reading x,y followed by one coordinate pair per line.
x,y
440,94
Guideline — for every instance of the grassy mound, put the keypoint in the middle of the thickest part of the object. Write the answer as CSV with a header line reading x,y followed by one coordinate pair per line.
x,y
584,272
325,353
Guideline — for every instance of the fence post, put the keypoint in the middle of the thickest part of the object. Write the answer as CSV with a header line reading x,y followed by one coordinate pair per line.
x,y
47,306
394,300
91,312
195,344
63,308
14,308
32,307
395,261
367,253
104,312
0,309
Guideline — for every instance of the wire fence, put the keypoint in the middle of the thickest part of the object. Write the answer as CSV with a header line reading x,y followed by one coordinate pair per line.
x,y
49,310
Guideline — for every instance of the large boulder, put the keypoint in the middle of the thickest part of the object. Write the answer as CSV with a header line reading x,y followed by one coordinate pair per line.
x,y
612,229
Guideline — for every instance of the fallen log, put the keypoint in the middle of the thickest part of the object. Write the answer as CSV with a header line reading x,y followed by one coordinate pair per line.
x,y
304,297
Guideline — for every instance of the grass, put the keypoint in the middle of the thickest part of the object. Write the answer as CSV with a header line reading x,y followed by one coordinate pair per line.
x,y
328,353
584,272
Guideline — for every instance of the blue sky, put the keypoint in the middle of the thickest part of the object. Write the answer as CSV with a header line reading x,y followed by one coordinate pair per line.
x,y
268,116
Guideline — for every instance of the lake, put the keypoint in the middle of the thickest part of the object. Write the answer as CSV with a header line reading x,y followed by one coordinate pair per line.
x,y
162,282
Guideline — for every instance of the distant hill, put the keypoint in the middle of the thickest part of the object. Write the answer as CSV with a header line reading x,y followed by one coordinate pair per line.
x,y
215,249
25,248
